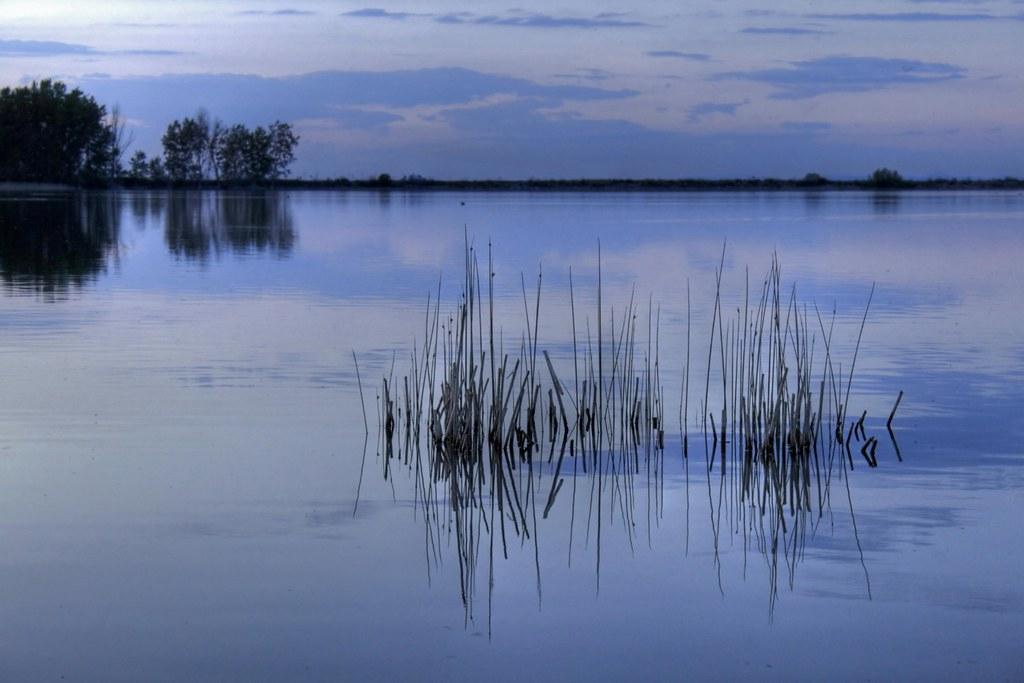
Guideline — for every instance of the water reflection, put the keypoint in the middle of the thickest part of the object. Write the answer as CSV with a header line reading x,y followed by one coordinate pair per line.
x,y
162,399
51,244
201,225
886,203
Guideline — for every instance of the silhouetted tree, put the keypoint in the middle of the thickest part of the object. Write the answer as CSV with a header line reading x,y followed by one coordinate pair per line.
x,y
233,154
156,171
198,148
120,139
51,134
283,142
184,145
138,166
814,180
215,133
886,178
257,155
258,161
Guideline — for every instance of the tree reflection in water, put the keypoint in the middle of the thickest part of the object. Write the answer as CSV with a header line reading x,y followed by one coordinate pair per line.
x,y
50,244
201,225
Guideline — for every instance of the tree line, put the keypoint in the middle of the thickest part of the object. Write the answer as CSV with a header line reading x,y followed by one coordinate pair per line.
x,y
200,148
52,134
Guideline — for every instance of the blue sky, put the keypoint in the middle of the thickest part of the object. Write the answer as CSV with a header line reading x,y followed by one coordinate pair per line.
x,y
573,89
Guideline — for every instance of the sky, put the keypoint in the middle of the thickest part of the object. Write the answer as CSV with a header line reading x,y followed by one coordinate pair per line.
x,y
604,88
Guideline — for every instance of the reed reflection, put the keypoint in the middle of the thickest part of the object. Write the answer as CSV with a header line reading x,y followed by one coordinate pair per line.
x,y
55,243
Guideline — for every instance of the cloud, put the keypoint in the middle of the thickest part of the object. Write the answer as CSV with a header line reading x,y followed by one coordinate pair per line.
x,y
490,125
912,17
42,48
520,139
139,24
316,94
360,100
700,111
587,74
843,74
50,48
676,54
806,126
921,132
364,118
276,13
784,31
549,21
511,18
151,53
377,13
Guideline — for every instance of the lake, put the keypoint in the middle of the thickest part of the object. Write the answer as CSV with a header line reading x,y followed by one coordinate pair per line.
x,y
189,489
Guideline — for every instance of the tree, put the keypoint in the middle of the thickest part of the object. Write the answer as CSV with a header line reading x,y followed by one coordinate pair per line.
x,y
814,180
215,133
138,166
51,134
258,161
282,149
120,139
230,153
156,170
257,155
201,147
886,178
185,145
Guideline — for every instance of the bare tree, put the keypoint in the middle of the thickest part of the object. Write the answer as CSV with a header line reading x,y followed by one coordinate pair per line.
x,y
121,138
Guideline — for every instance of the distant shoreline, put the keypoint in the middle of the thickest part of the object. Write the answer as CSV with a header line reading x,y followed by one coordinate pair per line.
x,y
572,185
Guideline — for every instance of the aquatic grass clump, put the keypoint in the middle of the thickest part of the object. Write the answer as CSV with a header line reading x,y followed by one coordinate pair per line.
x,y
784,428
480,429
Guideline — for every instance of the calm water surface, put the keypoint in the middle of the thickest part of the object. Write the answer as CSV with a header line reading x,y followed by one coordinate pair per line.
x,y
181,439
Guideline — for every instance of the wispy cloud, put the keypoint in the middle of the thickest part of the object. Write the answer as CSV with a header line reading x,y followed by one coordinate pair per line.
x,y
51,48
140,24
287,12
916,132
676,54
323,94
915,17
364,118
487,125
41,48
378,13
842,74
144,53
511,18
587,74
806,126
784,31
701,111
606,20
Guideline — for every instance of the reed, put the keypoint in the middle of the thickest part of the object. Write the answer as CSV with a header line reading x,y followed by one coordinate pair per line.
x,y
487,435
